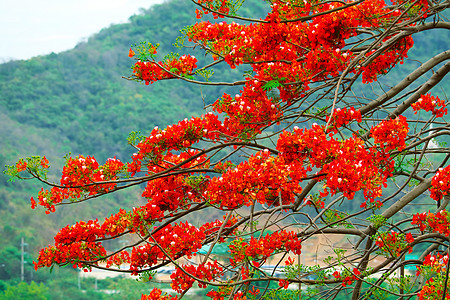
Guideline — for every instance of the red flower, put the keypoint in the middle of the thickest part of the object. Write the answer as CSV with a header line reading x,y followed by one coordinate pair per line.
x,y
283,283
44,163
409,237
21,165
430,103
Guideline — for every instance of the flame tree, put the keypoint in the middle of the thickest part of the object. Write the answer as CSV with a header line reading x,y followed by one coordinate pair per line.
x,y
299,152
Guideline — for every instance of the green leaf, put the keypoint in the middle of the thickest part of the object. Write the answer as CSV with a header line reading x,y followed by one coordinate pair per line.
x,y
271,85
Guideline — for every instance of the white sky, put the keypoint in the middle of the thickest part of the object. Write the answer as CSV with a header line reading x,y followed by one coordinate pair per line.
x,y
35,27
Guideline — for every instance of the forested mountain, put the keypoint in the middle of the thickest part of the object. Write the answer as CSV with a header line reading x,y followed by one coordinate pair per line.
x,y
77,101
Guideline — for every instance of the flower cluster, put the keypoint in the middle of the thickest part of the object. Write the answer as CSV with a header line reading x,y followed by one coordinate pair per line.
x,y
381,64
205,272
434,270
82,176
118,223
249,112
157,146
33,163
224,292
118,259
79,241
434,290
219,8
391,134
181,239
172,193
263,178
21,165
430,103
264,247
150,71
440,184
343,116
347,277
157,294
346,165
304,51
439,222
213,227
73,252
392,244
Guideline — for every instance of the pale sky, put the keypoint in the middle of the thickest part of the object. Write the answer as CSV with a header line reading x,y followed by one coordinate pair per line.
x,y
35,27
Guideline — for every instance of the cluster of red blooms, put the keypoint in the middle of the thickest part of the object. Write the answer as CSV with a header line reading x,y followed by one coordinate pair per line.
x,y
382,63
437,263
434,267
346,165
78,242
283,283
224,292
118,259
206,272
419,6
249,112
318,42
349,277
221,7
22,164
81,176
262,178
213,227
159,143
434,289
171,193
70,253
430,103
393,243
440,184
157,294
182,239
439,222
177,240
174,192
264,247
74,243
150,71
343,116
391,134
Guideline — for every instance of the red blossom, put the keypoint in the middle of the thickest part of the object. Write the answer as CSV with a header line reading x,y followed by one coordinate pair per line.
x,y
153,71
440,183
205,272
430,103
157,294
21,165
391,134
439,222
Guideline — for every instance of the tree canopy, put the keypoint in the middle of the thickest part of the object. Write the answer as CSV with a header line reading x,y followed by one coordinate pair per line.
x,y
304,150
